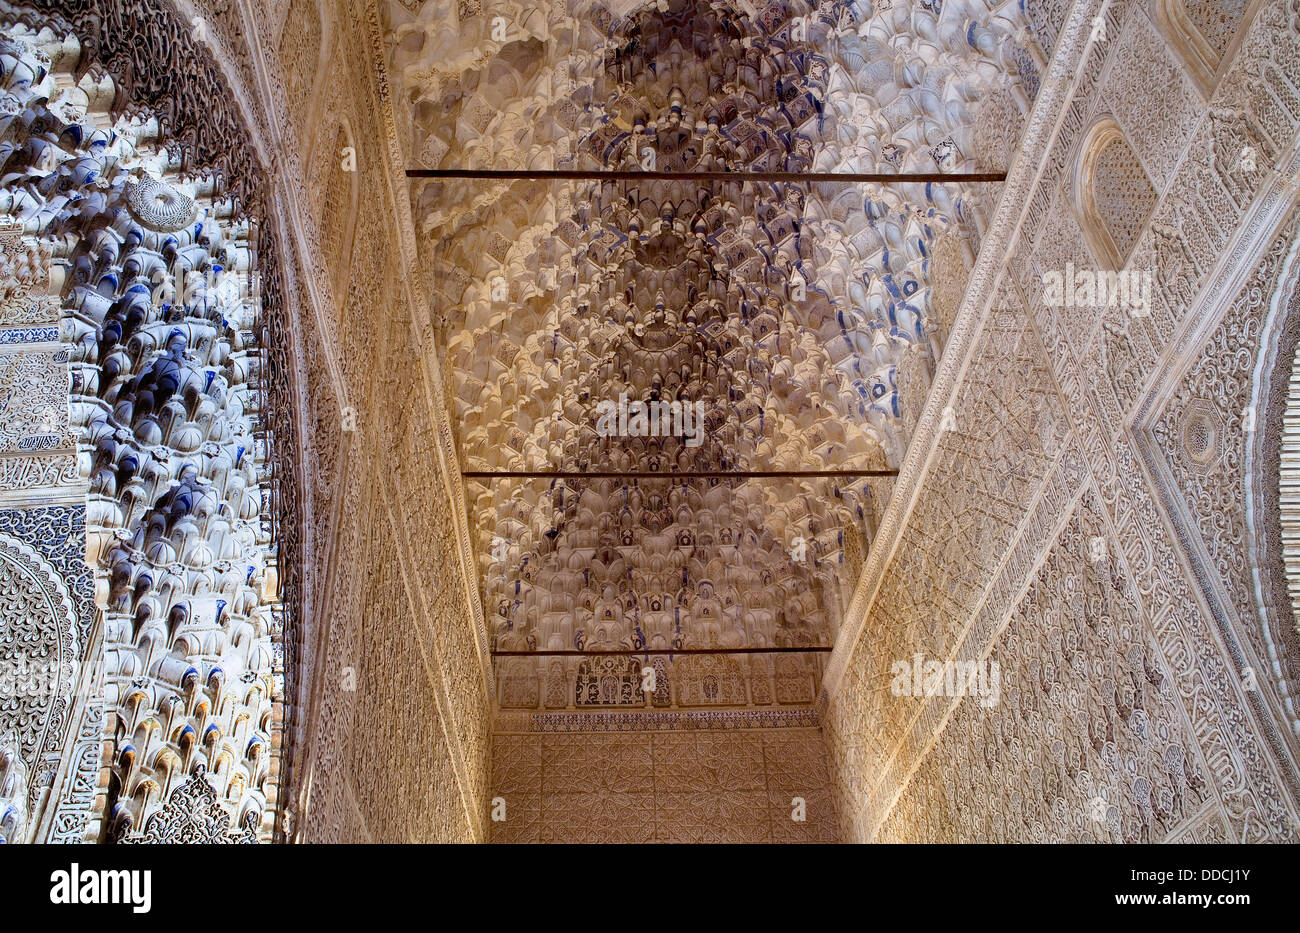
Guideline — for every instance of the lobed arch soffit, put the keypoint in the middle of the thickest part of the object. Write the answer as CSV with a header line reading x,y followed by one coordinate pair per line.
x,y
1270,500
204,135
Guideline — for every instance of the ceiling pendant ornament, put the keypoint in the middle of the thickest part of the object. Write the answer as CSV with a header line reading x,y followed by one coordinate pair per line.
x,y
159,206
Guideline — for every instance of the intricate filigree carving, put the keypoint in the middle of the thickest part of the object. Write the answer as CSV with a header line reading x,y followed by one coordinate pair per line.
x,y
1115,568
194,816
158,206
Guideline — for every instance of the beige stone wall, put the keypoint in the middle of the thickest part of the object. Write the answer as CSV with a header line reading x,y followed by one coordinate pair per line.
x,y
656,784
393,743
1086,522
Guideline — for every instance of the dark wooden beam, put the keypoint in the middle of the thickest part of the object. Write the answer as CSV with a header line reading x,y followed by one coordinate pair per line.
x,y
896,178
632,652
699,474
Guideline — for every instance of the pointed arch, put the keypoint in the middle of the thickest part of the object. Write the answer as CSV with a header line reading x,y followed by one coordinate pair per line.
x,y
1114,197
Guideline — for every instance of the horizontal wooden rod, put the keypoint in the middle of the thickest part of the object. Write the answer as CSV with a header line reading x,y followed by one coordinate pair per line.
x,y
897,178
702,474
632,652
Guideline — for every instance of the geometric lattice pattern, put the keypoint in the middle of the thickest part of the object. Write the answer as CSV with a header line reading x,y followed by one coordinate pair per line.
x,y
1122,194
1216,20
737,786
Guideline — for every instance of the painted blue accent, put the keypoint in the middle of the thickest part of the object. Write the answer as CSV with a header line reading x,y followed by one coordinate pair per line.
x,y
58,534
29,335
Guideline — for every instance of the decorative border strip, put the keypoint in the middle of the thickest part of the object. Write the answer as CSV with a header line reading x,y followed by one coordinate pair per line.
x,y
29,335
659,720
414,290
1289,487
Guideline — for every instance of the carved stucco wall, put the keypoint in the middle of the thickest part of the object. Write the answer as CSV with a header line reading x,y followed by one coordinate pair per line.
x,y
399,742
47,731
662,777
46,608
1097,474
395,746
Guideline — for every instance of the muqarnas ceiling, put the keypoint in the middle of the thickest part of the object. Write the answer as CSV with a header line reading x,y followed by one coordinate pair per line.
x,y
789,313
